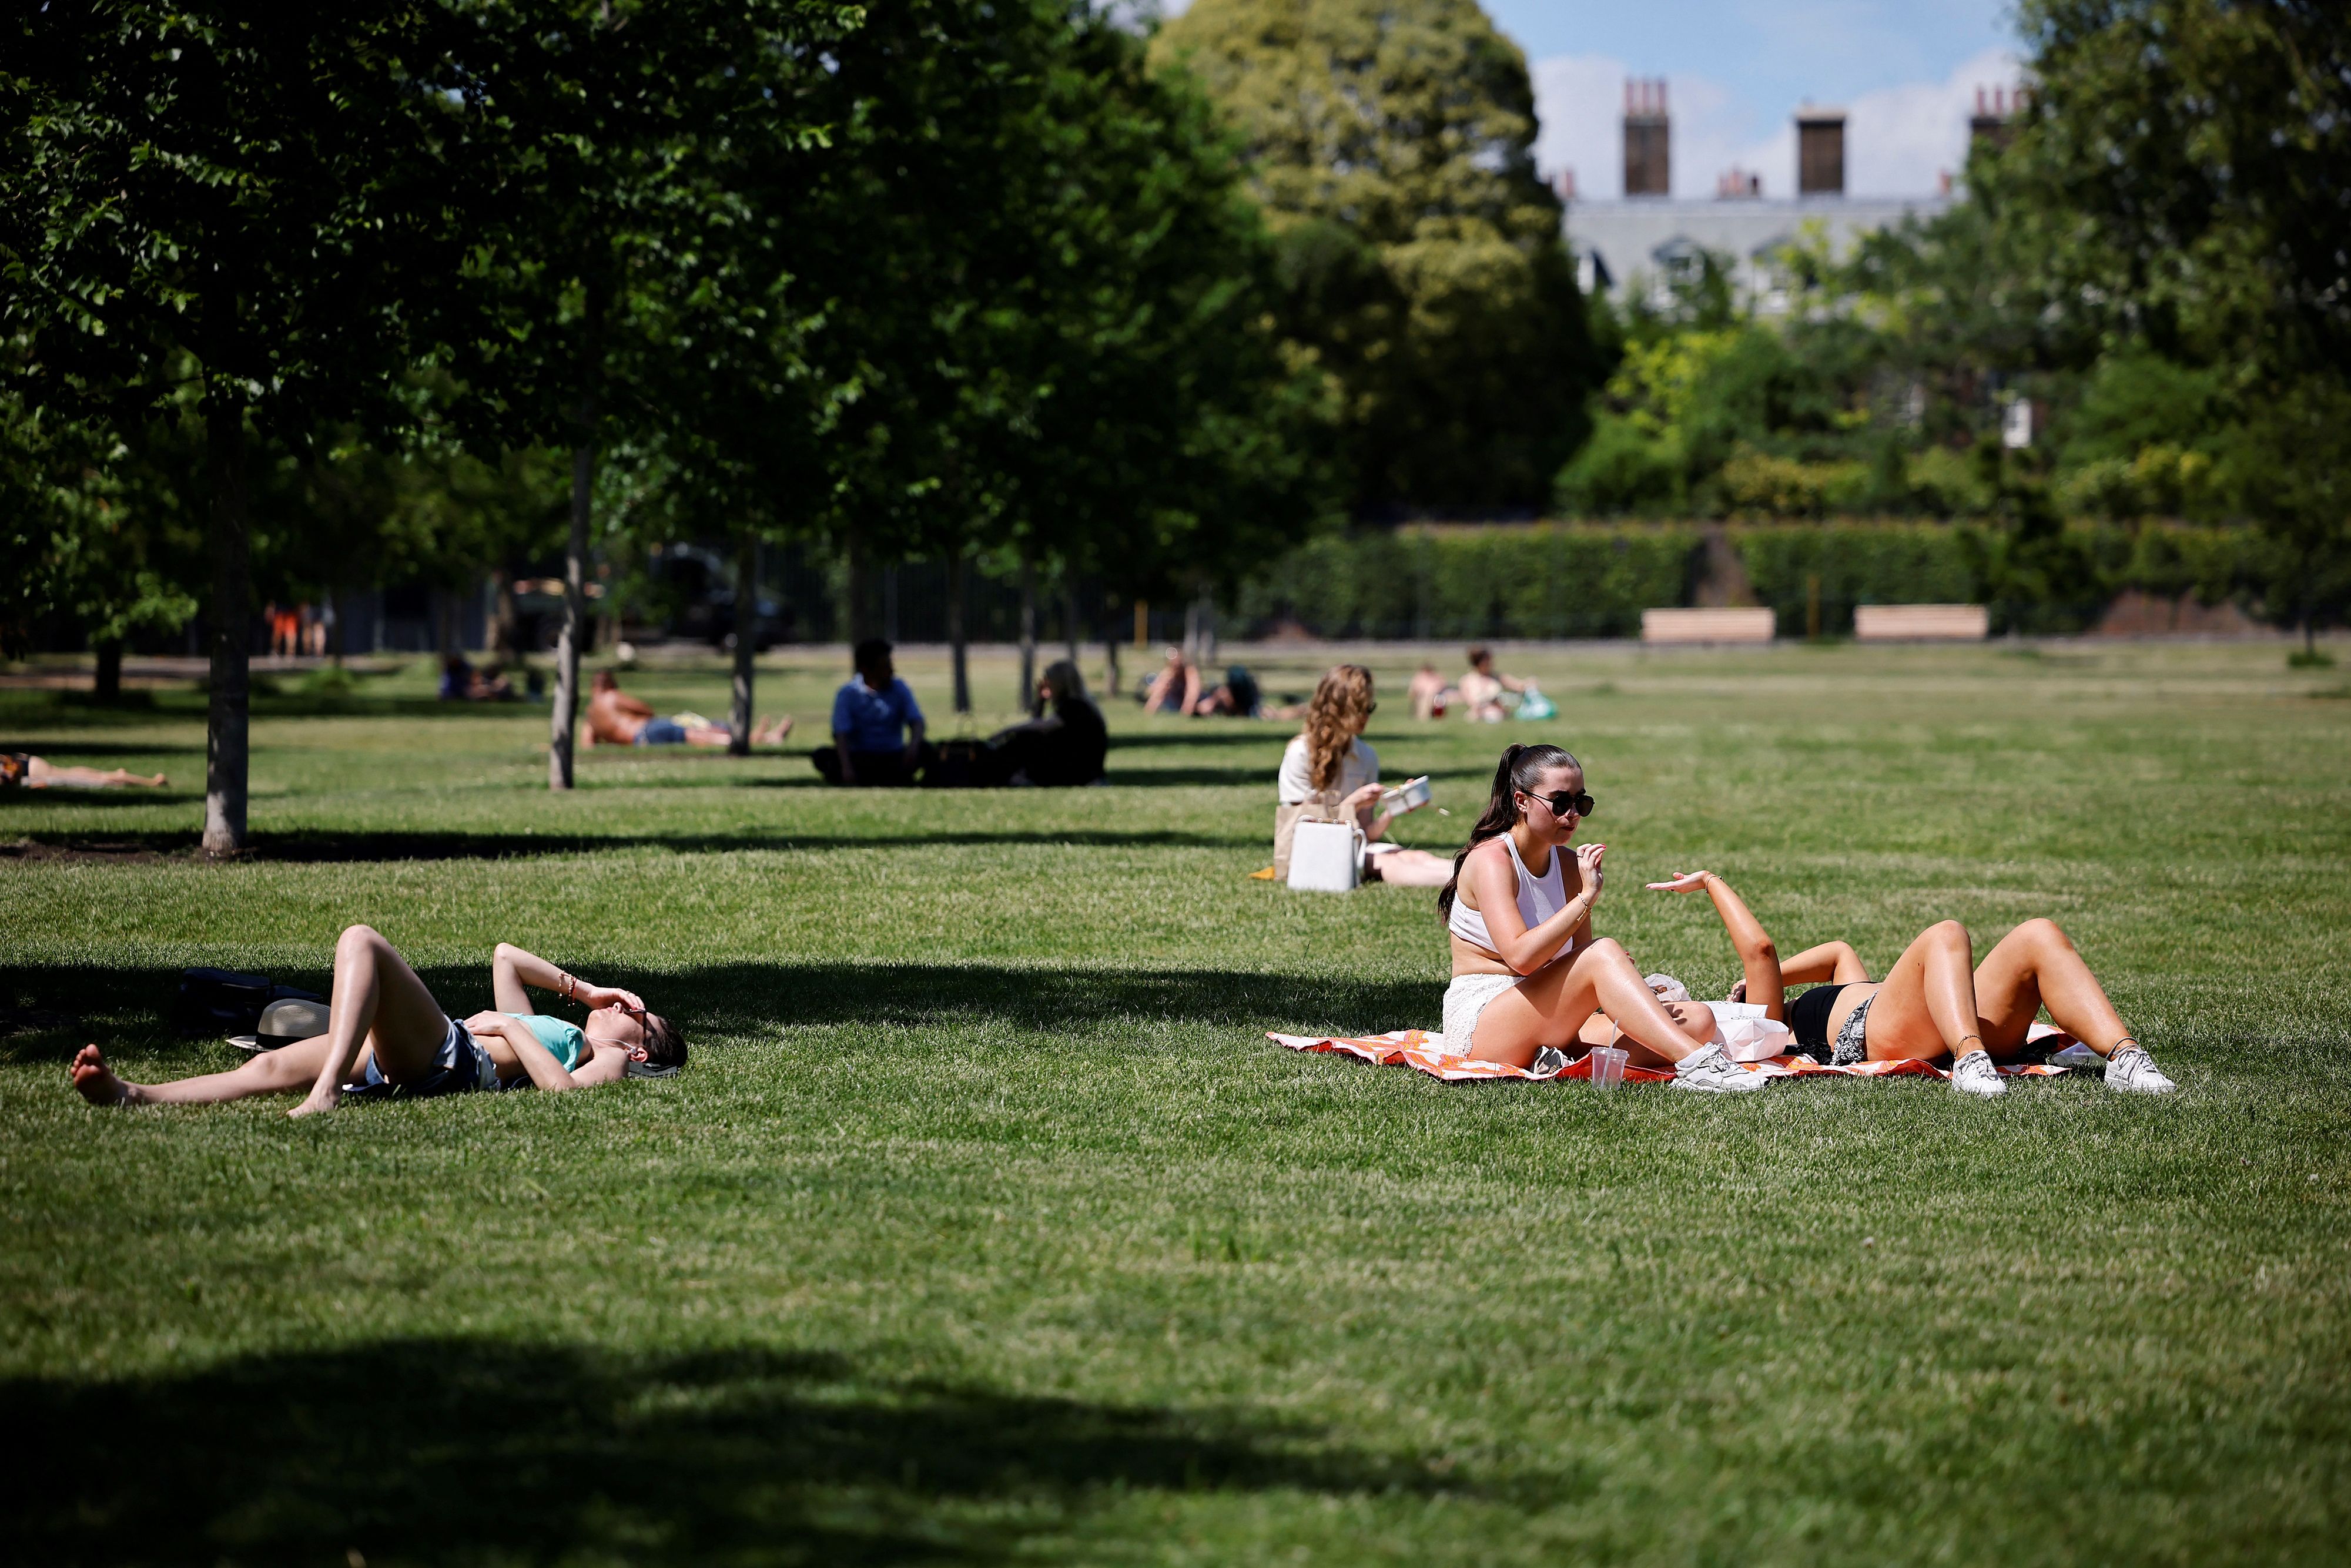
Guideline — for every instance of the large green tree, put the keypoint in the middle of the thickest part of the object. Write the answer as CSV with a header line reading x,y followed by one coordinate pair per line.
x,y
247,196
1390,141
2184,179
606,144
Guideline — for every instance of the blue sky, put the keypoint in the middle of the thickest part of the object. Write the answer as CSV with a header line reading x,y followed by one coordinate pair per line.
x,y
1736,69
1769,53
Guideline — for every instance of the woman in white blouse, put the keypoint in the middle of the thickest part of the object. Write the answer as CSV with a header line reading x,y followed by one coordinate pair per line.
x,y
1330,775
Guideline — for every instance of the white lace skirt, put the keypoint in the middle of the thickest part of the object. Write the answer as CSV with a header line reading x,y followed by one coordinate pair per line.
x,y
1465,999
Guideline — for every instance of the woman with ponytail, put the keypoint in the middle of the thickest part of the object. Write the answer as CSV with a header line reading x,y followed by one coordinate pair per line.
x,y
1527,971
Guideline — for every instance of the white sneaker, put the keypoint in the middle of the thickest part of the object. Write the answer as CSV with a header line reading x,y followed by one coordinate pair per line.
x,y
1710,1071
1974,1074
2131,1071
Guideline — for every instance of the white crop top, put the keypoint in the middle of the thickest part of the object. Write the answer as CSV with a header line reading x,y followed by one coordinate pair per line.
x,y
1540,898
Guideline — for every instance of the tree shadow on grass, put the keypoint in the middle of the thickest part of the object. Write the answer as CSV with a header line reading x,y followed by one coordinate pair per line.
x,y
756,999
479,1450
340,848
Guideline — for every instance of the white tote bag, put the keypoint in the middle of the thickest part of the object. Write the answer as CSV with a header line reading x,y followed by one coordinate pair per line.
x,y
1326,857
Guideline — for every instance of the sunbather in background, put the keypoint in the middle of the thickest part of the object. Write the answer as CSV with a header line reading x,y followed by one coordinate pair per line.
x,y
1936,1001
23,769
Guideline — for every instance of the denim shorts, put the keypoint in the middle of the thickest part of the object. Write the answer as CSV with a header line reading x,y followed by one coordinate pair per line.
x,y
460,1066
662,732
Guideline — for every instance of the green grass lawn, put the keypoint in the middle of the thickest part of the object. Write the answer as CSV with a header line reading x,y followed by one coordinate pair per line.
x,y
986,1224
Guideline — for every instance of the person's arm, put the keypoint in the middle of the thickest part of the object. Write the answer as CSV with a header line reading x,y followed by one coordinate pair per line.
x,y
1191,686
1363,806
1759,955
1830,961
912,713
539,1062
1526,949
511,969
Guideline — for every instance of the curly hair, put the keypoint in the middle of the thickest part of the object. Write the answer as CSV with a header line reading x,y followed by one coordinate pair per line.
x,y
1343,701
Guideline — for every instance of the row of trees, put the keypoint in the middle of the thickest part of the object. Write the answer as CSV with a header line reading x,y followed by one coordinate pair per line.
x,y
2157,262
937,277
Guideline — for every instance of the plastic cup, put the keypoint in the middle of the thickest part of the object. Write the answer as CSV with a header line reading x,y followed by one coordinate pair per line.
x,y
1607,1067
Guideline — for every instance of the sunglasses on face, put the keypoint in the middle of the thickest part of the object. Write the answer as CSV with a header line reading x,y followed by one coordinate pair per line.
x,y
1563,803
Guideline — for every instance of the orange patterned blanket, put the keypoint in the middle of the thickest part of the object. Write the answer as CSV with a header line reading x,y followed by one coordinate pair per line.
x,y
1424,1051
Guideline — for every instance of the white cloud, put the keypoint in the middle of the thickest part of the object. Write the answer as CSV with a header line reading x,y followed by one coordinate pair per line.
x,y
1899,139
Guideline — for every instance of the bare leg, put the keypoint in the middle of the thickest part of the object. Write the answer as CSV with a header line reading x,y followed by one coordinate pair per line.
x,y
1413,868
2033,966
773,732
41,774
378,1000
1550,1007
279,1071
1927,1006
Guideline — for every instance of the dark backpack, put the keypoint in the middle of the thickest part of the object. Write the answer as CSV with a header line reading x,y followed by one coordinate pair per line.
x,y
222,1002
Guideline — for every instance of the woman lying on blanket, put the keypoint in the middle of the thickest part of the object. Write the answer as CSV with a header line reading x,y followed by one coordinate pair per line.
x,y
1935,1001
388,1030
1527,971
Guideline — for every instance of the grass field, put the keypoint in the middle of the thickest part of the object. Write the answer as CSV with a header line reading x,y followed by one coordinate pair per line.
x,y
986,1224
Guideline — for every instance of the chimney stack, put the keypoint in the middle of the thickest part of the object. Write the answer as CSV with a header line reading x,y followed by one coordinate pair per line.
x,y
1820,151
1993,123
1648,156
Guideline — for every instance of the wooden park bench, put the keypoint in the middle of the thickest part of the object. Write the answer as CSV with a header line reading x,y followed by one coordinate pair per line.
x,y
1747,625
1921,623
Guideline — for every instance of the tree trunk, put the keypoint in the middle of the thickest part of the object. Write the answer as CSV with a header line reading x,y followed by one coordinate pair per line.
x,y
108,685
890,603
1028,635
1110,658
1070,623
563,723
747,640
859,608
957,568
228,714
505,634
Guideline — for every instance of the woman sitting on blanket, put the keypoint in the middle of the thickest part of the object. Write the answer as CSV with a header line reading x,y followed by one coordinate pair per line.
x,y
1935,1001
387,1030
1329,773
1527,971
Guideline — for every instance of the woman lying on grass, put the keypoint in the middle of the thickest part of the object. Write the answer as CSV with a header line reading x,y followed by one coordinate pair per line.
x,y
1527,972
389,1032
1935,1001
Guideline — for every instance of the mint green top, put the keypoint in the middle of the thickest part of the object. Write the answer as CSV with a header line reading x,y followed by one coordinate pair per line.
x,y
563,1041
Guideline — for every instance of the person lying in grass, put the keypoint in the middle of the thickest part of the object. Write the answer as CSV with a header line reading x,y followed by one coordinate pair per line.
x,y
1527,971
1936,1001
24,770
388,1030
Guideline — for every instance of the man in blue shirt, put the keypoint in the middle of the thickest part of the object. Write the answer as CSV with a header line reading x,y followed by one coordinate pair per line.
x,y
869,715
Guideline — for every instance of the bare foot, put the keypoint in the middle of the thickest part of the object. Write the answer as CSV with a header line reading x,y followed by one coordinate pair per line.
x,y
774,733
312,1106
96,1083
158,782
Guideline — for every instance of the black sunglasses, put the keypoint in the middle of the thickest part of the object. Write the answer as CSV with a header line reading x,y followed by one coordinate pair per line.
x,y
1562,803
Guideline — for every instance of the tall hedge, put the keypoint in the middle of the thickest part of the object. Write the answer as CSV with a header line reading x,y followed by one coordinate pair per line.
x,y
1586,580
1539,580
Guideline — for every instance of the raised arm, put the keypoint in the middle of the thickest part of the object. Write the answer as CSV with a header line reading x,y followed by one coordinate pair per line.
x,y
1526,949
1759,957
511,969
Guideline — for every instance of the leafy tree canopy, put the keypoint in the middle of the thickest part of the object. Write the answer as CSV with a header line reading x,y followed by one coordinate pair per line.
x,y
1391,142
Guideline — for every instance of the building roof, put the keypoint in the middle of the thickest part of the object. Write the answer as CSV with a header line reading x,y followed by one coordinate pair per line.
x,y
1632,237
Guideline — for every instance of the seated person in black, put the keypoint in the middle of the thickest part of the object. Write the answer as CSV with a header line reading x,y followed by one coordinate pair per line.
x,y
1064,746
